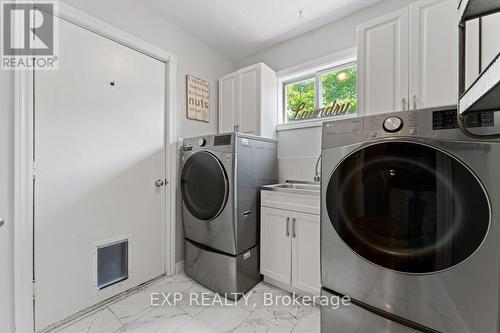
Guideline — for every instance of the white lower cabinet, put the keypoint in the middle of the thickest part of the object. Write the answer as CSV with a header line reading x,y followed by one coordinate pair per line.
x,y
290,249
306,252
276,249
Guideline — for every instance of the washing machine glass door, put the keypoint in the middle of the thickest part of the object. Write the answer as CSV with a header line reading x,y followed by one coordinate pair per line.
x,y
408,207
204,185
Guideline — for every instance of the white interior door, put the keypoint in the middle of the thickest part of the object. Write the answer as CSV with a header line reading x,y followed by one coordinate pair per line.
x,y
99,147
306,252
383,55
434,53
275,241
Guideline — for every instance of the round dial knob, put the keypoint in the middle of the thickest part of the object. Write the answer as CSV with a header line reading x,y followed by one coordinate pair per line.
x,y
202,142
393,124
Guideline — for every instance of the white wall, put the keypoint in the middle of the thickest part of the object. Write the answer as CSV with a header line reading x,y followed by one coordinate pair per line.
x,y
298,148
6,186
194,57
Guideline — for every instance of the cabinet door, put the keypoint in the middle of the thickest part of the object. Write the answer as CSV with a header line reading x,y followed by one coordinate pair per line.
x,y
433,53
306,252
276,252
383,64
248,117
227,102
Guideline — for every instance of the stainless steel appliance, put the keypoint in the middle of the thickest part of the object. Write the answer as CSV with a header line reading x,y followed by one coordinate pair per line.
x,y
220,180
410,219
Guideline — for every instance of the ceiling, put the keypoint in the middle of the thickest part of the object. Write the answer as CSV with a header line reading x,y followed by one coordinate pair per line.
x,y
239,28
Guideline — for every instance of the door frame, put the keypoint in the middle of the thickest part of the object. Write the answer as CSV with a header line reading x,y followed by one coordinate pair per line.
x,y
25,171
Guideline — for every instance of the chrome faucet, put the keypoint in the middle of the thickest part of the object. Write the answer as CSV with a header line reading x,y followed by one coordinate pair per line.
x,y
317,174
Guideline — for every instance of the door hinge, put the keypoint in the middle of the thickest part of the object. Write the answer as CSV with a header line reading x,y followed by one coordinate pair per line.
x,y
34,291
34,171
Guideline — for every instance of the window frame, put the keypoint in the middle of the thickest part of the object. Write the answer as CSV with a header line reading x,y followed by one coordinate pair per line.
x,y
314,68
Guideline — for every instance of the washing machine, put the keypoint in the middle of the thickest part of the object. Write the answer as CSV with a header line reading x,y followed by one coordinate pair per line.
x,y
219,184
410,219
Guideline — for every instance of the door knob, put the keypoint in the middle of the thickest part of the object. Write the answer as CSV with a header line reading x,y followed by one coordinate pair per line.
x,y
159,182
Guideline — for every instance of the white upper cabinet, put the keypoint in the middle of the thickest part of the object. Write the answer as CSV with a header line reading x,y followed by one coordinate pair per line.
x,y
227,102
248,101
433,53
408,58
383,64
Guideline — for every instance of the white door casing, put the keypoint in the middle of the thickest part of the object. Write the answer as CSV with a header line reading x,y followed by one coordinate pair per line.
x,y
433,53
275,244
24,168
383,64
306,252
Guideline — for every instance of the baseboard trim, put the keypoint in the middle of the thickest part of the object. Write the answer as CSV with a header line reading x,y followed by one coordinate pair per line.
x,y
179,267
70,320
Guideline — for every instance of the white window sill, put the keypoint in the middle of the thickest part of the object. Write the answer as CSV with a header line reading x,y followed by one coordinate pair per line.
x,y
310,123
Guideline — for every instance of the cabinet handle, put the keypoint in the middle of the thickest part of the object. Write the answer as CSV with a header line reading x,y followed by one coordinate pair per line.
x,y
287,227
293,227
236,128
403,102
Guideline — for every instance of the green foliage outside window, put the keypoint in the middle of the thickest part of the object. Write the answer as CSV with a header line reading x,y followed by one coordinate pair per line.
x,y
338,93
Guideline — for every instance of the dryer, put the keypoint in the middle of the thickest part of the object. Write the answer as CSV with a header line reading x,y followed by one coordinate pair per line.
x,y
219,185
410,219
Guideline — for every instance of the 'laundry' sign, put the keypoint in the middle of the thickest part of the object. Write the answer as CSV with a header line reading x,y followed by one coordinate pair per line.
x,y
335,109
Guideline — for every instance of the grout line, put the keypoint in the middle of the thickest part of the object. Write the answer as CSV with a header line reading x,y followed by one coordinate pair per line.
x,y
116,316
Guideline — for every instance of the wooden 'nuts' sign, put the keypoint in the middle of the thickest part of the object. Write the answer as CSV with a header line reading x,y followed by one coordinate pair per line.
x,y
198,98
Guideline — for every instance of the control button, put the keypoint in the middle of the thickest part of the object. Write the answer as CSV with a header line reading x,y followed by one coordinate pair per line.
x,y
372,134
413,131
202,142
393,124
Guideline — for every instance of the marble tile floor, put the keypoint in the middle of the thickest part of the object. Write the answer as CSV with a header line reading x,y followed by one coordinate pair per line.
x,y
135,313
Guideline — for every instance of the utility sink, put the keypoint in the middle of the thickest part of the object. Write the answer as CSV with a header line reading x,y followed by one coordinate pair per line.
x,y
299,188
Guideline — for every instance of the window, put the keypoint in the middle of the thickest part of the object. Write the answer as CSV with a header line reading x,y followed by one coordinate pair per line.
x,y
326,93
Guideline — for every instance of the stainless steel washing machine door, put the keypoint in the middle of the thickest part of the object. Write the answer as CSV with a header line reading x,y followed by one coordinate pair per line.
x,y
408,207
408,226
204,185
